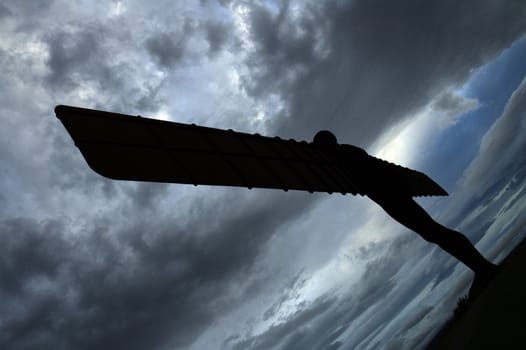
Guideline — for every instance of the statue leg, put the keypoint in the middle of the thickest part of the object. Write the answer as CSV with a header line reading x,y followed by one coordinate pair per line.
x,y
407,212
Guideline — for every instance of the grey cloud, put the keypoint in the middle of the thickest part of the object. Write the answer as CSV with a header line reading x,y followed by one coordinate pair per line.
x,y
217,35
29,14
451,106
167,48
186,32
170,48
127,285
65,172
418,317
383,60
147,96
440,270
284,49
455,103
377,294
132,277
135,283
499,159
391,274
146,195
291,334
290,293
30,8
74,56
26,256
501,150
5,11
92,56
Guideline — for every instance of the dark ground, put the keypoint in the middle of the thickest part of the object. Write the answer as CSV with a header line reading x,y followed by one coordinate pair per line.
x,y
497,318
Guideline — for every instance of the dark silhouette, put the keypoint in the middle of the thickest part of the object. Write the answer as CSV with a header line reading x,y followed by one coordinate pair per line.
x,y
391,193
124,147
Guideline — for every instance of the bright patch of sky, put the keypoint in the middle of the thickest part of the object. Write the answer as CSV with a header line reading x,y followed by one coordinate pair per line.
x,y
491,85
425,135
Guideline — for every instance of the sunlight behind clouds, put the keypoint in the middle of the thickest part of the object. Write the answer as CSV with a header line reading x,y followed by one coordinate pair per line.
x,y
117,8
403,143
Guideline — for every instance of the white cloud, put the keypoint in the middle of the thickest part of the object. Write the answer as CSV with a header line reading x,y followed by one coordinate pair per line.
x,y
500,153
502,145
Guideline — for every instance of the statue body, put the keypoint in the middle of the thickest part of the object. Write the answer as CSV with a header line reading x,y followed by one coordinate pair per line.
x,y
391,187
124,147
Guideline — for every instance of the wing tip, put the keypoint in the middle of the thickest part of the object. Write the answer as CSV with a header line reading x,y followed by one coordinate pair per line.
x,y
59,109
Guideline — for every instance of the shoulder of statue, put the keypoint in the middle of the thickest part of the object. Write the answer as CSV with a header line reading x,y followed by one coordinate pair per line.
x,y
354,150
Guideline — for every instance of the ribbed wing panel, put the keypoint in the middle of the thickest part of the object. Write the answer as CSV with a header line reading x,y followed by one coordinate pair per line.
x,y
395,178
126,147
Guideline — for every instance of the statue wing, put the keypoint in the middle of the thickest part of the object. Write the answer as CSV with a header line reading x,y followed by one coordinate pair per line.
x,y
398,179
125,147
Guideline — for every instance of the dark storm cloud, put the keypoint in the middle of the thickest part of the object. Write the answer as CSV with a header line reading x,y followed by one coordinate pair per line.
x,y
283,49
90,56
131,276
217,35
146,195
377,61
169,49
127,286
5,11
74,56
172,49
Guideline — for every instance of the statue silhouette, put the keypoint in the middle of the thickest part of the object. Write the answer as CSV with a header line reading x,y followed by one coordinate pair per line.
x,y
125,147
390,192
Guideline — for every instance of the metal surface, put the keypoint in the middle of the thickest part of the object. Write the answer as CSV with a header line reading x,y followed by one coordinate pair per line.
x,y
125,147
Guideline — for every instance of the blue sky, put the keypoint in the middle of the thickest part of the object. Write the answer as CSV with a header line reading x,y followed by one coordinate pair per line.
x,y
87,262
492,85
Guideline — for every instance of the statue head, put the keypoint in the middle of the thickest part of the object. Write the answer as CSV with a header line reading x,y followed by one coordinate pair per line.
x,y
325,139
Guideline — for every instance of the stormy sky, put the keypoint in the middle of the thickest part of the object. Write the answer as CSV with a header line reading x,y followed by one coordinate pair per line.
x,y
90,263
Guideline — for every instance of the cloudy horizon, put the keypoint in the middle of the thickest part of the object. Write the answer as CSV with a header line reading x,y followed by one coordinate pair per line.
x,y
87,262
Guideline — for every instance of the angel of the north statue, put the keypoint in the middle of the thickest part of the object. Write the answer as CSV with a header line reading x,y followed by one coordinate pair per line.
x,y
124,147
